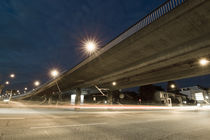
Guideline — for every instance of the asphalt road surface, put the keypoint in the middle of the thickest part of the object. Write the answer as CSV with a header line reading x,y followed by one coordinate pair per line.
x,y
44,123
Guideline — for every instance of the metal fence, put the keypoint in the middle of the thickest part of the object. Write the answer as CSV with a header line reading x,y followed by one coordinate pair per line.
x,y
154,15
162,10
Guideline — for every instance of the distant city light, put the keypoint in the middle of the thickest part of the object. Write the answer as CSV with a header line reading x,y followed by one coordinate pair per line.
x,y
54,73
36,83
12,75
203,62
25,88
18,91
114,83
7,82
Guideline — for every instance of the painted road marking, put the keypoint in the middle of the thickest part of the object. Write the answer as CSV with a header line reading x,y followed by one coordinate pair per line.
x,y
12,118
62,126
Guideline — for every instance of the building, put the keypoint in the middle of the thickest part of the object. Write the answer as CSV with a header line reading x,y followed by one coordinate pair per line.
x,y
117,97
169,98
151,94
197,93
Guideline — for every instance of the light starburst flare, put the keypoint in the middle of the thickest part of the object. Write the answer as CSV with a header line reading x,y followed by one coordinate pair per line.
x,y
90,46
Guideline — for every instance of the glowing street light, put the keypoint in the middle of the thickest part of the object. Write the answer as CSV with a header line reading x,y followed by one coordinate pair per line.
x,y
12,75
90,46
54,73
172,86
7,82
203,62
36,83
114,83
25,88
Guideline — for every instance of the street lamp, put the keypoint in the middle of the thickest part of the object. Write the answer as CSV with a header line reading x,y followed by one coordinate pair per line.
x,y
36,83
7,82
114,83
90,46
25,88
12,75
54,73
203,62
172,86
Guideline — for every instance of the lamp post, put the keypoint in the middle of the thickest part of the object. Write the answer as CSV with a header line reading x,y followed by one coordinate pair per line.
x,y
25,89
54,73
7,83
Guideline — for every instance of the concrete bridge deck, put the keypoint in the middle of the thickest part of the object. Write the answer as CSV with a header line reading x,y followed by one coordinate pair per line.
x,y
167,48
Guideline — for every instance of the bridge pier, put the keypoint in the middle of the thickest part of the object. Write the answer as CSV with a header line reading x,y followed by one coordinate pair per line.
x,y
78,94
50,100
110,98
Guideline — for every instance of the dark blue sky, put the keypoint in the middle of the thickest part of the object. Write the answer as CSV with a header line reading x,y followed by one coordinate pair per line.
x,y
38,35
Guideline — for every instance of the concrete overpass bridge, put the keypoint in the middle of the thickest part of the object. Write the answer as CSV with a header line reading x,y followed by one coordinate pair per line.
x,y
165,45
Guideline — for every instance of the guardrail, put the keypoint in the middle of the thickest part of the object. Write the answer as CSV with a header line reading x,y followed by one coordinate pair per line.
x,y
157,13
151,17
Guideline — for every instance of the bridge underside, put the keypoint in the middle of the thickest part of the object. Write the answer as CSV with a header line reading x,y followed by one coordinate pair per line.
x,y
167,49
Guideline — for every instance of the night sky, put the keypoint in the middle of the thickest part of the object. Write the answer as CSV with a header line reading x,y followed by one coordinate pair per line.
x,y
38,35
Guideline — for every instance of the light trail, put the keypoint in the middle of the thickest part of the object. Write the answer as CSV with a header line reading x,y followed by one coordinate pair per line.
x,y
104,107
72,125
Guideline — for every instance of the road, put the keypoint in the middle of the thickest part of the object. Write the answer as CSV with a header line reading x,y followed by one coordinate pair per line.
x,y
56,123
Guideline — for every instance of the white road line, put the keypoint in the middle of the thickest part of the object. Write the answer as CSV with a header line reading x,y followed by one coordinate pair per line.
x,y
65,117
12,118
62,126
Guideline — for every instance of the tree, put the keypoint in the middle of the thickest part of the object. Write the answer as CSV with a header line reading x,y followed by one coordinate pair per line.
x,y
1,88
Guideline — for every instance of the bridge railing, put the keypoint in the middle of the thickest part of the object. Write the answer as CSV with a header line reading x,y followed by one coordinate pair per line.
x,y
157,13
151,17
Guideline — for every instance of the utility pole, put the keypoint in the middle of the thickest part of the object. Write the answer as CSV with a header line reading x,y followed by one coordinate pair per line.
x,y
59,91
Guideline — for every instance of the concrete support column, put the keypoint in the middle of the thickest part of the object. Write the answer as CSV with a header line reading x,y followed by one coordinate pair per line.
x,y
78,94
110,98
50,100
59,92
